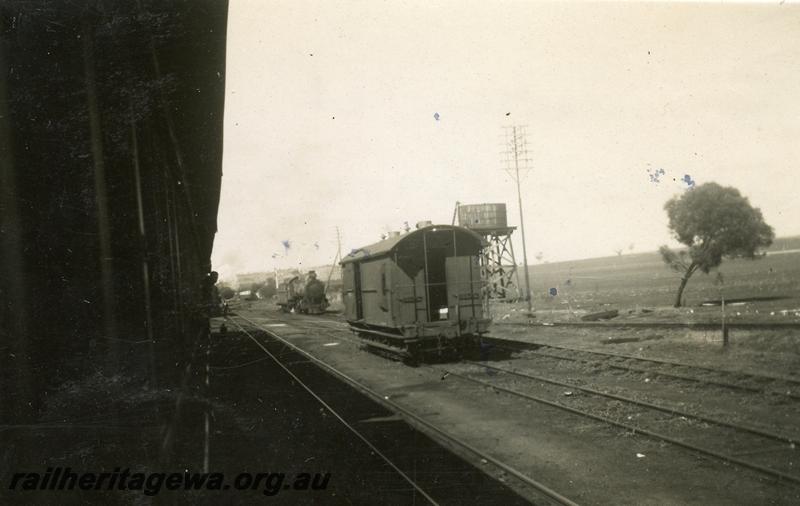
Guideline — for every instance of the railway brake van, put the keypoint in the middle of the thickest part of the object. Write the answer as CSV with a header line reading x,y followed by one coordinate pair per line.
x,y
418,293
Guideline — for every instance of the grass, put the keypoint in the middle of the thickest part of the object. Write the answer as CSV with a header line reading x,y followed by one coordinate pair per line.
x,y
643,281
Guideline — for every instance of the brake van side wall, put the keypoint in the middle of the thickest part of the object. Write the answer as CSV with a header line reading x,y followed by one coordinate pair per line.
x,y
389,297
348,291
408,297
376,292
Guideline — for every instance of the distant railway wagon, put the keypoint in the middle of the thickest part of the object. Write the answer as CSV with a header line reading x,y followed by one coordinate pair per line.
x,y
417,293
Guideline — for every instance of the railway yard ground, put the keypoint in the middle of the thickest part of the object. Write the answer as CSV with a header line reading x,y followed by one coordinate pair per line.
x,y
647,407
600,415
543,414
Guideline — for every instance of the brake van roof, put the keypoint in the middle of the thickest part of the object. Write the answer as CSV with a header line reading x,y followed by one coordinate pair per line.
x,y
388,246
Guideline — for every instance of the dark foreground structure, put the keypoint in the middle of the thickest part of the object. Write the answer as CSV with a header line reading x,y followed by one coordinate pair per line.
x,y
111,120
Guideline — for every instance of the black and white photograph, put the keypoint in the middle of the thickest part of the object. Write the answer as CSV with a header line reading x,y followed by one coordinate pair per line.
x,y
357,252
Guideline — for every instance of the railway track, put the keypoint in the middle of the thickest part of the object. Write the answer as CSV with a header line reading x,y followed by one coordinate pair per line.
x,y
732,440
610,324
412,417
332,411
736,380
772,454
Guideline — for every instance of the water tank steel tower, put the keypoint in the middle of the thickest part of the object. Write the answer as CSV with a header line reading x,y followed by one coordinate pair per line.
x,y
497,258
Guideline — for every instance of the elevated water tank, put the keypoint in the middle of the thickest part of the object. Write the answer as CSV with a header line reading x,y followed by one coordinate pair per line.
x,y
482,216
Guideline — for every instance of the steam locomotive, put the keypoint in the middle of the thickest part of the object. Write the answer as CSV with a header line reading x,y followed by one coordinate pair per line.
x,y
294,297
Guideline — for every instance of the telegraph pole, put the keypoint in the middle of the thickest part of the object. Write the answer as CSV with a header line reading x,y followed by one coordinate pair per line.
x,y
338,243
516,155
337,257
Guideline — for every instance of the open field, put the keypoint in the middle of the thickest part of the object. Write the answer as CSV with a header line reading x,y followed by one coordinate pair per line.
x,y
636,281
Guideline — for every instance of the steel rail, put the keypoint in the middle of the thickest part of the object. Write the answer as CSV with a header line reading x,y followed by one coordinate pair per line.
x,y
659,325
421,421
333,411
635,369
726,458
741,427
672,411
636,430
523,344
756,376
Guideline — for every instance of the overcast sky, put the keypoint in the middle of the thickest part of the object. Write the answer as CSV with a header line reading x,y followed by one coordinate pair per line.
x,y
330,120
